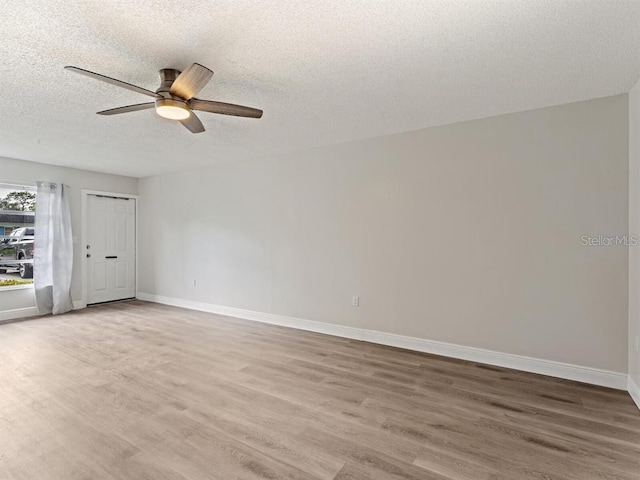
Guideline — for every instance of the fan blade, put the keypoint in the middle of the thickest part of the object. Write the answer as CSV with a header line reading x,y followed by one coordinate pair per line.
x,y
112,81
193,123
191,81
224,108
128,108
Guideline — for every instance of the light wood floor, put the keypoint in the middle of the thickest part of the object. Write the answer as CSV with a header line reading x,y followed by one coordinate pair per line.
x,y
141,391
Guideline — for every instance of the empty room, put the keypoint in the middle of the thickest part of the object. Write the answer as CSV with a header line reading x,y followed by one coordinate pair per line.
x,y
324,240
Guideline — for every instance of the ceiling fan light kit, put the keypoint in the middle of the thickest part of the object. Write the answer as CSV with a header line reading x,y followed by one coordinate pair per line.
x,y
175,98
172,109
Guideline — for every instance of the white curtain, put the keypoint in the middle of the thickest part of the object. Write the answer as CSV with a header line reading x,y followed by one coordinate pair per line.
x,y
53,249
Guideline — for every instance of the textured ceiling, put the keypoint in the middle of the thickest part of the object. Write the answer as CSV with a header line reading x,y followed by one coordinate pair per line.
x,y
323,71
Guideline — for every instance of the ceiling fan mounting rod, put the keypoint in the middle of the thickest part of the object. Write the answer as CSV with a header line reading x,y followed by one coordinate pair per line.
x,y
167,77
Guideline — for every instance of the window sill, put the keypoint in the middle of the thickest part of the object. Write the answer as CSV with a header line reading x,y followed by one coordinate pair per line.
x,y
16,287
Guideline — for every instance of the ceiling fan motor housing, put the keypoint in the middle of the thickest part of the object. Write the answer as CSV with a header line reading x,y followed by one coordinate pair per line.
x,y
167,77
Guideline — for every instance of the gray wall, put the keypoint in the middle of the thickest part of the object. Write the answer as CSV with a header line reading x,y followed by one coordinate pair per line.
x,y
469,233
21,171
634,229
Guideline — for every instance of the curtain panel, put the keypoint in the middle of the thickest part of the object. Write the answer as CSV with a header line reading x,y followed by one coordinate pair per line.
x,y
53,249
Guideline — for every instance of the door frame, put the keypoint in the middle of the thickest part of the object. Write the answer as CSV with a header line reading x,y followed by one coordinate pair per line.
x,y
84,236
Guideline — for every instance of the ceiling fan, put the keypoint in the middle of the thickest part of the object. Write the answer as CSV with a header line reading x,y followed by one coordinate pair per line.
x,y
175,99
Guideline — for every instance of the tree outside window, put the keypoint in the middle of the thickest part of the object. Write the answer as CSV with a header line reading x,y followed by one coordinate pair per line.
x,y
19,201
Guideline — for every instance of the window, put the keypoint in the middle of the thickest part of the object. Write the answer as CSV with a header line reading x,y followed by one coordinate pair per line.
x,y
17,219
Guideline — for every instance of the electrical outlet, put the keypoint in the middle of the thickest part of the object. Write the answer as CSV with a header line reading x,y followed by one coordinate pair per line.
x,y
194,283
355,301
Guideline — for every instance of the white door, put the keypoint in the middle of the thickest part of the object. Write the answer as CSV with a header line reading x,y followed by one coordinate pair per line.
x,y
111,248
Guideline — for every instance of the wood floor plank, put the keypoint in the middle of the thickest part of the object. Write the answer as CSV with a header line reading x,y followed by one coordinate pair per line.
x,y
146,391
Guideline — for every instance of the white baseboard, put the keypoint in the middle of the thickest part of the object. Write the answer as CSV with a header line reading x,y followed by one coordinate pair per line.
x,y
595,376
634,391
31,311
300,324
552,368
18,313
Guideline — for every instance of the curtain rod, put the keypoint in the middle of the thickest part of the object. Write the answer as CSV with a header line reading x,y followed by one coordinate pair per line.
x,y
27,185
13,184
53,183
